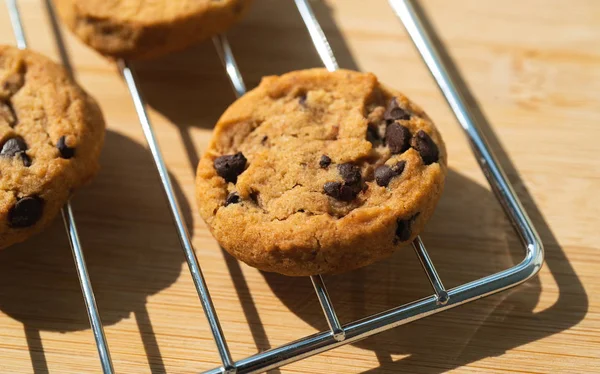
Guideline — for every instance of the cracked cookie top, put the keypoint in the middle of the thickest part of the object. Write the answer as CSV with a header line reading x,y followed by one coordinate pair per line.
x,y
316,172
51,133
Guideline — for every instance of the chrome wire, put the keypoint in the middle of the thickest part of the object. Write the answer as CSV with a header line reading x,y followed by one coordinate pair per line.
x,y
182,232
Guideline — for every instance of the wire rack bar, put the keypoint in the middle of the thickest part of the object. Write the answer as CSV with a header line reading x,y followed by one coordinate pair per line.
x,y
237,82
233,72
434,278
327,306
71,228
448,79
317,35
527,268
182,232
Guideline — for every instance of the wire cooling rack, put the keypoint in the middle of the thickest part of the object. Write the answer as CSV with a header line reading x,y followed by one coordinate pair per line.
x,y
448,80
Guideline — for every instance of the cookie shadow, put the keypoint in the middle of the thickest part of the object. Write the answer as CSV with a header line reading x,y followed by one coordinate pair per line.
x,y
130,248
468,220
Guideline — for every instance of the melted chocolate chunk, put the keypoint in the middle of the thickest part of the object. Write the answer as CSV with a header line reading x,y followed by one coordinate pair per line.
x,y
65,151
384,173
230,166
13,146
350,173
394,112
325,161
426,147
397,138
232,198
26,212
340,191
16,147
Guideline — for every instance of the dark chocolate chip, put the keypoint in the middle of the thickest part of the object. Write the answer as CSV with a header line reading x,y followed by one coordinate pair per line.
x,y
26,212
302,99
230,166
264,139
426,147
13,146
26,159
332,189
404,228
384,173
395,112
399,167
340,191
255,197
232,198
65,151
397,138
348,193
325,161
350,173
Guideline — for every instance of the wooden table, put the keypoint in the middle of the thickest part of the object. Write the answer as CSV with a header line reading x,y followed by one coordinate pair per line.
x,y
534,67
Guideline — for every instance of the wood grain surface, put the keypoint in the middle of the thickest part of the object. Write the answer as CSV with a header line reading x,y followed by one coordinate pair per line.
x,y
534,67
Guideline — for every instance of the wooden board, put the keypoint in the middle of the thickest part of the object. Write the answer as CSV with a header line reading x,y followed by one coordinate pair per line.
x,y
534,67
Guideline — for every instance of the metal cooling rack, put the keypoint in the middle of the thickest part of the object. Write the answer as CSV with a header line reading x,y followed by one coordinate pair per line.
x,y
448,80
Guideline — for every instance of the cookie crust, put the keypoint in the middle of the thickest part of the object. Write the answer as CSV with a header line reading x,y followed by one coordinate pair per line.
x,y
138,29
51,134
326,186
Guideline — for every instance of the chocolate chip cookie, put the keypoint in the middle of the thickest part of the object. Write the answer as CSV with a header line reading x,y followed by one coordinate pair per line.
x,y
317,172
137,29
51,133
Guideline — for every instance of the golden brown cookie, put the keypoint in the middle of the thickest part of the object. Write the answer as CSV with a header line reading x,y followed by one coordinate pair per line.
x,y
316,172
51,133
136,29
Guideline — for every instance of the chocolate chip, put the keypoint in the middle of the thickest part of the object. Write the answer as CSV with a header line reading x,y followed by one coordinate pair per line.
x,y
395,112
428,150
255,197
230,166
26,159
264,139
302,99
232,198
340,191
397,138
13,146
332,189
26,212
350,173
325,161
404,229
65,151
384,173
